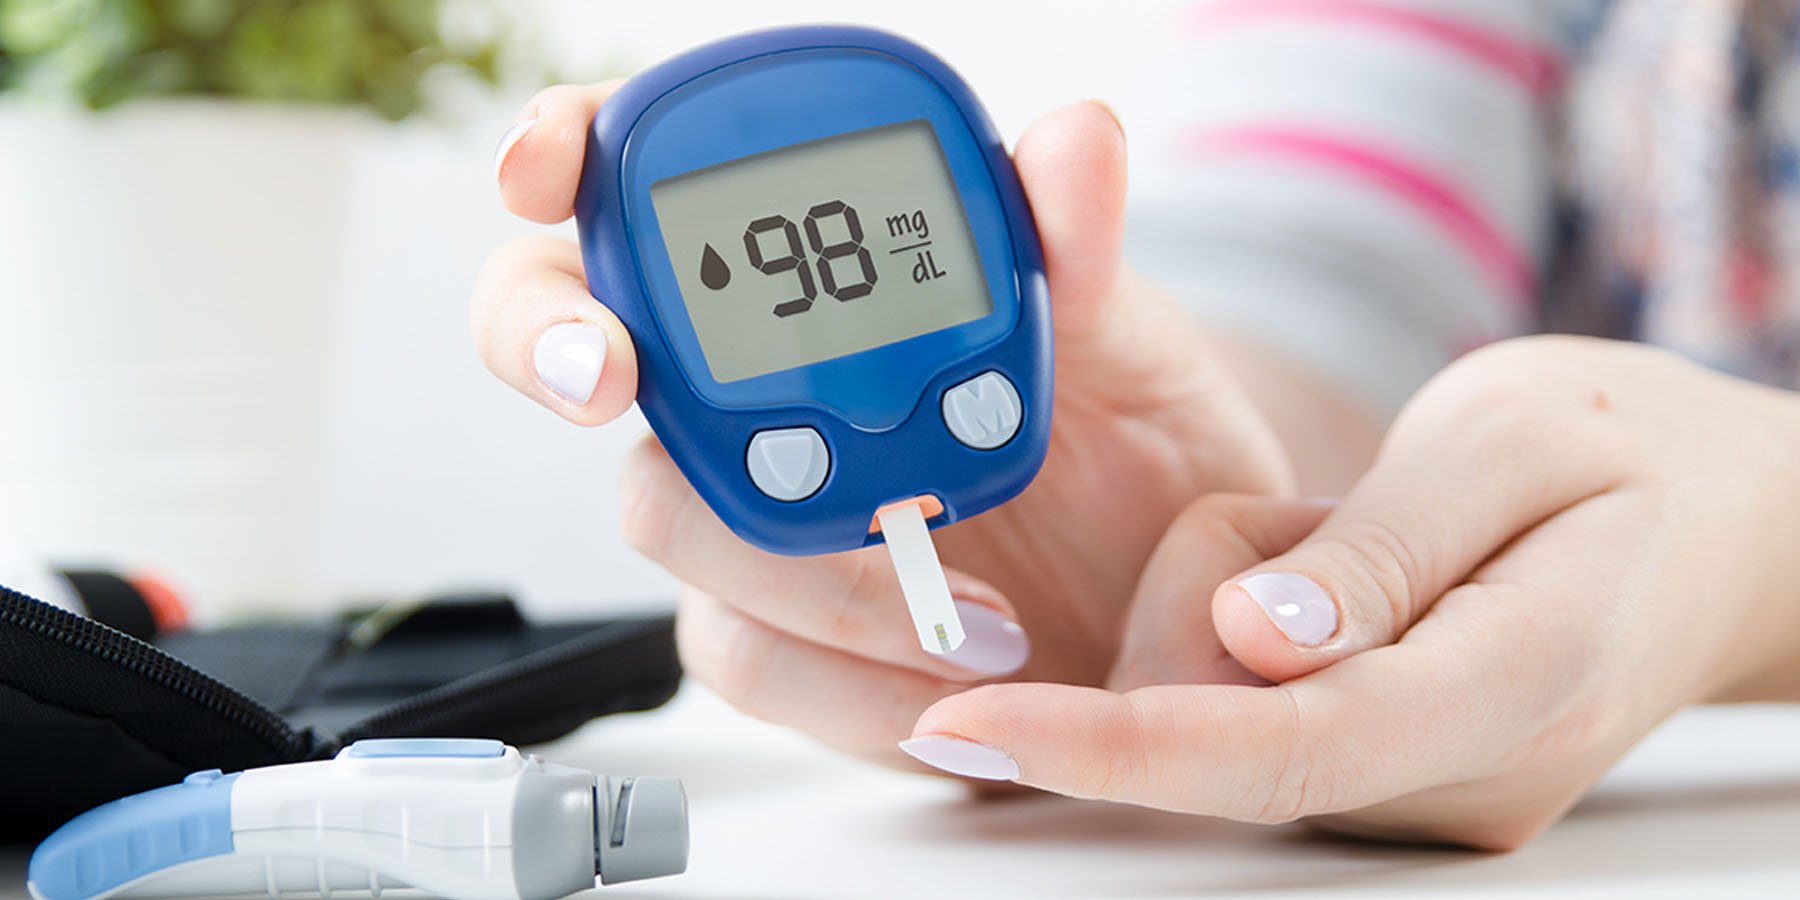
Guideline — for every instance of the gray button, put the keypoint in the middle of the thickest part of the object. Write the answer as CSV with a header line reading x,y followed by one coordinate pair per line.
x,y
983,412
788,463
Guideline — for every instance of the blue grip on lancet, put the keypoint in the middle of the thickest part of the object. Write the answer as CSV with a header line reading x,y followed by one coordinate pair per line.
x,y
137,836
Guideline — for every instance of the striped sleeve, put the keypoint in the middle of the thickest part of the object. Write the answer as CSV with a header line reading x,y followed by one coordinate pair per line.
x,y
1361,184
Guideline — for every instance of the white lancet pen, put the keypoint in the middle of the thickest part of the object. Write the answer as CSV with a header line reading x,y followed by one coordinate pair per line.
x,y
921,577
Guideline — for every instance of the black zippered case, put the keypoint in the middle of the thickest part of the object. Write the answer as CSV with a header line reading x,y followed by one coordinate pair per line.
x,y
89,714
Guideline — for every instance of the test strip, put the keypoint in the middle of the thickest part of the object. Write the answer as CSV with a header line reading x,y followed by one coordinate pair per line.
x,y
921,577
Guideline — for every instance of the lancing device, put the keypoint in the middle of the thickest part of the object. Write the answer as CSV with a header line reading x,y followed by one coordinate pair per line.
x,y
835,286
462,819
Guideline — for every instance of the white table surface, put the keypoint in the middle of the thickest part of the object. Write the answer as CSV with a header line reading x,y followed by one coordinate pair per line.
x,y
1708,805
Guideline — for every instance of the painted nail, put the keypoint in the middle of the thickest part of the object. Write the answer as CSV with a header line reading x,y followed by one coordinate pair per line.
x,y
992,643
507,141
568,358
1296,604
962,757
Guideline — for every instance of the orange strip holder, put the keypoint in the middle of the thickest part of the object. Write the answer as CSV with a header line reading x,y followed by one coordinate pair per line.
x,y
929,505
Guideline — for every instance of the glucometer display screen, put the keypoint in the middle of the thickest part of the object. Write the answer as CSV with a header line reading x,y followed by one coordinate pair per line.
x,y
821,250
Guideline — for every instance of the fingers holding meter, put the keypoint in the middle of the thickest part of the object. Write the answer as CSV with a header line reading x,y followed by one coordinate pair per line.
x,y
835,288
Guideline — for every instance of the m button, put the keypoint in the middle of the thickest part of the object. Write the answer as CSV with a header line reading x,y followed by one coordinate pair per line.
x,y
983,412
788,463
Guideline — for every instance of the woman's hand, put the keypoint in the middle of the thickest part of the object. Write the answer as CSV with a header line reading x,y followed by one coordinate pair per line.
x,y
1146,419
1562,542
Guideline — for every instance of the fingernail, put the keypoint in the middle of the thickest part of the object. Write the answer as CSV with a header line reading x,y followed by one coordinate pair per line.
x,y
962,757
1110,112
507,141
992,643
568,358
1296,604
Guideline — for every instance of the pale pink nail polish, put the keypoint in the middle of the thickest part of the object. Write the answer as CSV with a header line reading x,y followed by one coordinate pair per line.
x,y
962,757
1296,604
992,645
568,358
507,141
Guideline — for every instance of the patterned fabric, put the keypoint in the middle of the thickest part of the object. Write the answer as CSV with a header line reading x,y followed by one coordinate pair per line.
x,y
1681,185
1359,185
1375,186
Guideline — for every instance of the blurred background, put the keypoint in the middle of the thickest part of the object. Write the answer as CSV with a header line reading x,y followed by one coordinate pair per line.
x,y
237,241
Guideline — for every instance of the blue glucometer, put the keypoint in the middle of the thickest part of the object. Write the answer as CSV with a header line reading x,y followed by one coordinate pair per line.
x,y
823,254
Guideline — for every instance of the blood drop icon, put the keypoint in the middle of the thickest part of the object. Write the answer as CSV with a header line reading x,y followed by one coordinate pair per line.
x,y
713,271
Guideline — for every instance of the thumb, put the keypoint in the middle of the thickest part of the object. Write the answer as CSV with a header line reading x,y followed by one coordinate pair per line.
x,y
1072,165
1417,526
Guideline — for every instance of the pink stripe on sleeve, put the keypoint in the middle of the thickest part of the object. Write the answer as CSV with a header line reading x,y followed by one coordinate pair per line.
x,y
1535,68
1434,197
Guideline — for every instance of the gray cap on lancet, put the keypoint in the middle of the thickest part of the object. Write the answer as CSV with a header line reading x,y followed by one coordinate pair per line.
x,y
640,828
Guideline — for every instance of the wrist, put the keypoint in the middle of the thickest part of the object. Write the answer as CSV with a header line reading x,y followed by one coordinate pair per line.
x,y
1777,681
1769,629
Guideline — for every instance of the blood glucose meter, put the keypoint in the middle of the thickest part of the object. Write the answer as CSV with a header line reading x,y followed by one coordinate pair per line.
x,y
835,286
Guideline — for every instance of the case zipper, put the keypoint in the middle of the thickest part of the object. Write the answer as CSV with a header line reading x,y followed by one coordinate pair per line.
x,y
132,655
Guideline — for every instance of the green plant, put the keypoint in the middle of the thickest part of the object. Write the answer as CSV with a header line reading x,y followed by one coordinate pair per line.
x,y
371,53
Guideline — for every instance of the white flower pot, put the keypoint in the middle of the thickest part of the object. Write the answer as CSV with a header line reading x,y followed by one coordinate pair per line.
x,y
169,273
